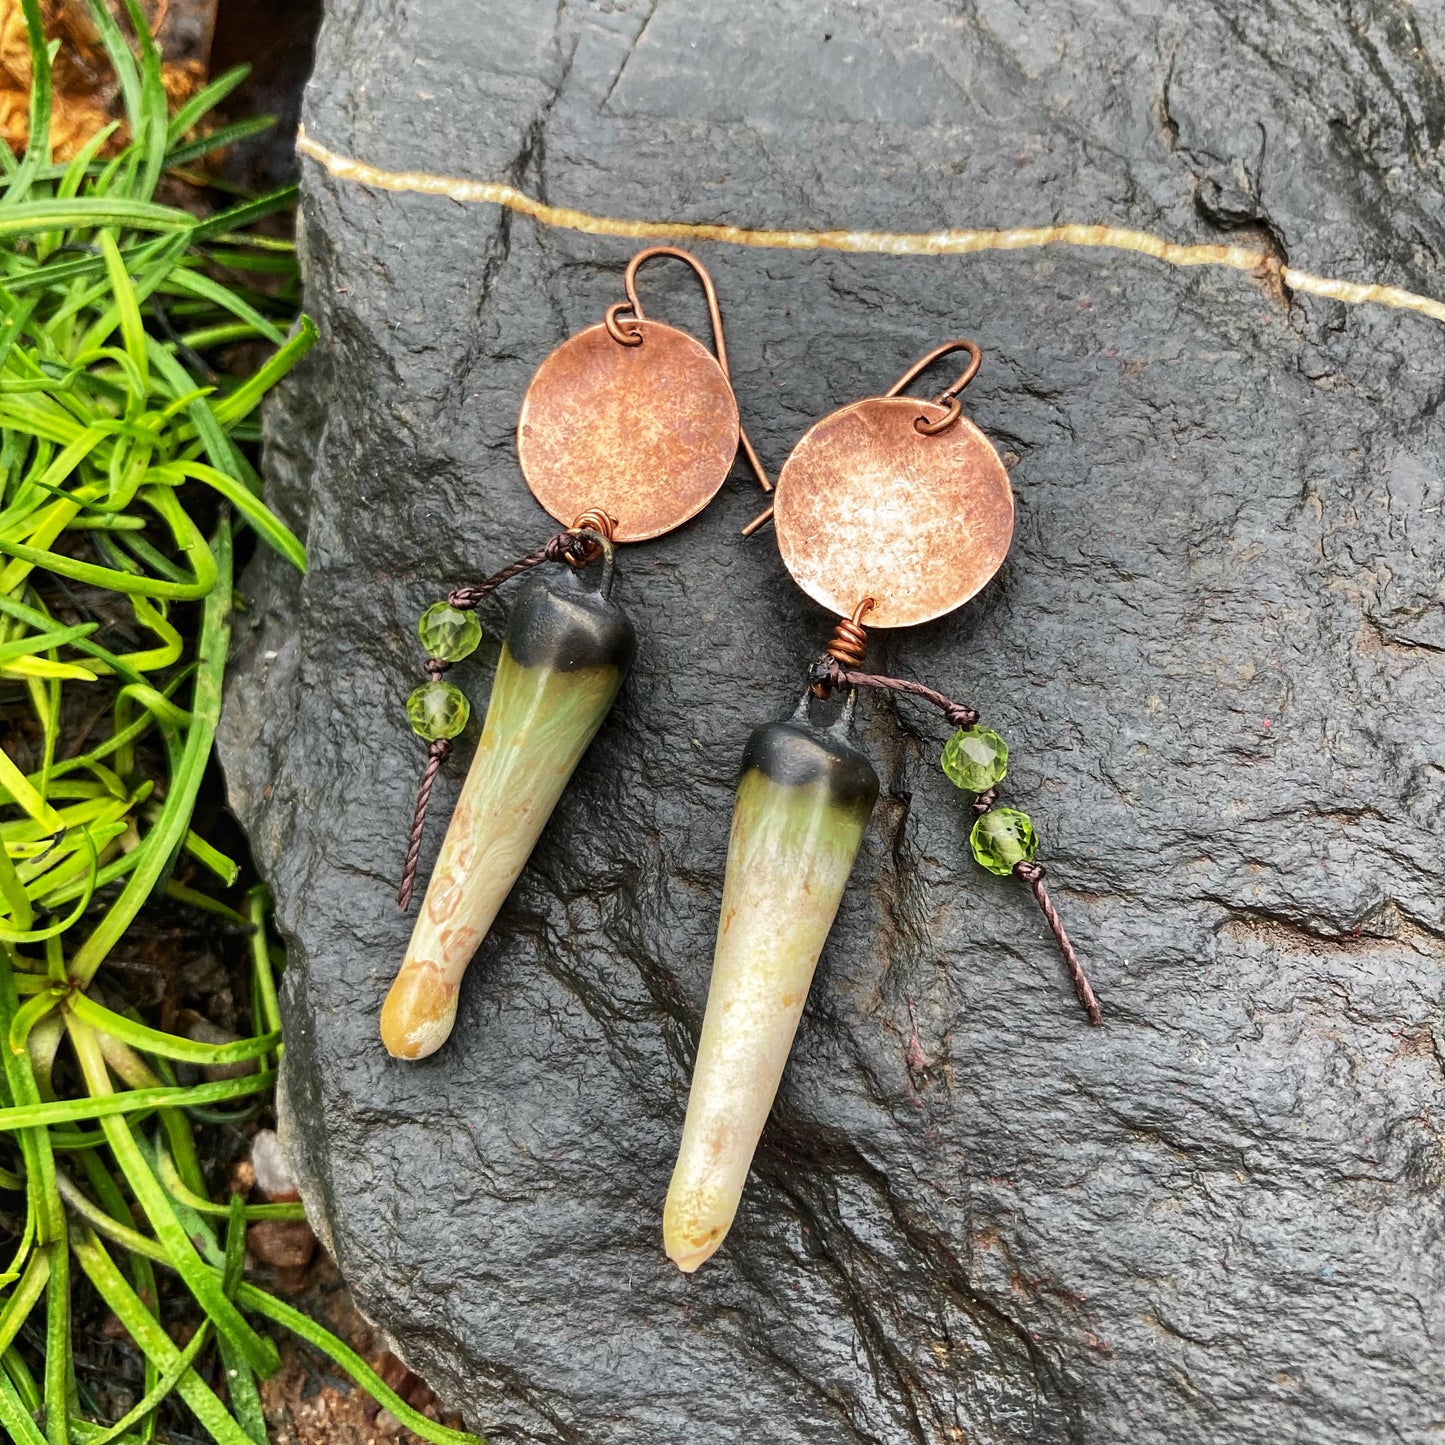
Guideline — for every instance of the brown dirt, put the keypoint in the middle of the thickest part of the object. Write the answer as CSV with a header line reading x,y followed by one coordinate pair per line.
x,y
309,1401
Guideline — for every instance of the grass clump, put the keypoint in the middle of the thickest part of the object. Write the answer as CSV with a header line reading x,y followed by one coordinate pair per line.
x,y
123,477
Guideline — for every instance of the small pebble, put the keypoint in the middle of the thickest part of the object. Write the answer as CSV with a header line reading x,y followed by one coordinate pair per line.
x,y
270,1170
281,1243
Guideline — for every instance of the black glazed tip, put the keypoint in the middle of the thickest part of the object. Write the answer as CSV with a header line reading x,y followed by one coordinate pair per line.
x,y
559,622
795,754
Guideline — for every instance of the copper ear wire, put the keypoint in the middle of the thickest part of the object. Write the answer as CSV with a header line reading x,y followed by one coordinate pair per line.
x,y
619,330
948,397
922,425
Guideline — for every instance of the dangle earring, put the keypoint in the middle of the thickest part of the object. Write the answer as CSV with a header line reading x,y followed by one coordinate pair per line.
x,y
894,511
627,430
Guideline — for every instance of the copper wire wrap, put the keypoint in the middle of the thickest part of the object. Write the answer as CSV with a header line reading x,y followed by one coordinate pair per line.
x,y
847,645
594,519
849,642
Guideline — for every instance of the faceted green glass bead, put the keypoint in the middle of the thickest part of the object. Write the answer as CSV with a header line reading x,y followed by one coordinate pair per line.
x,y
975,759
448,633
1002,838
437,710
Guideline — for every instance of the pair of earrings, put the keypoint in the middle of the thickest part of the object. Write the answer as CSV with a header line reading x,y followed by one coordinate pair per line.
x,y
890,512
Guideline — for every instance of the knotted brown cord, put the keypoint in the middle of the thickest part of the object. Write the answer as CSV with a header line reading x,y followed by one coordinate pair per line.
x,y
564,547
828,674
1033,875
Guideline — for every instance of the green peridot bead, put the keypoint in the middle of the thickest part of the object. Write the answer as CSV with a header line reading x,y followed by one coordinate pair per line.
x,y
975,759
437,710
448,633
1003,838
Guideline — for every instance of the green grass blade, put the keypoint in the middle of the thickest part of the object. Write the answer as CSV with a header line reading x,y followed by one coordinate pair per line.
x,y
149,126
24,1297
204,100
266,1005
169,1176
22,791
226,869
275,533
219,139
131,329
37,147
260,1354
261,1303
75,172
239,217
15,1418
247,396
107,577
108,1106
167,834
12,890
244,1398
86,212
185,282
144,1329
59,1356
168,1046
22,1379
35,1143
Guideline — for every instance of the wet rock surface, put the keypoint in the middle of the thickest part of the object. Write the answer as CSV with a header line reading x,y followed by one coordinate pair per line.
x,y
1217,652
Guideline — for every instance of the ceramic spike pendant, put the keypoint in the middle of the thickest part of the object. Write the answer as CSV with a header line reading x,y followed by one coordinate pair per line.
x,y
566,650
803,801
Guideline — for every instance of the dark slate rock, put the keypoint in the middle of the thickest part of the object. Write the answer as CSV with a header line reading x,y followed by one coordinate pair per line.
x,y
1218,651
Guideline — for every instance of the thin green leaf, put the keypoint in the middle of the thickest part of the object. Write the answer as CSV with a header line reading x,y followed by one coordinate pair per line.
x,y
75,172
23,791
275,533
239,217
204,100
260,1354
37,147
24,1297
168,1046
25,645
146,1331
183,1194
226,869
240,402
29,1014
108,1106
244,1398
149,127
161,842
131,329
12,890
15,1418
219,139
343,1355
183,282
87,212
59,1356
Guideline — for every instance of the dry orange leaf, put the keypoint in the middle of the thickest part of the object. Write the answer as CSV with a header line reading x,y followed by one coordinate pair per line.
x,y
86,95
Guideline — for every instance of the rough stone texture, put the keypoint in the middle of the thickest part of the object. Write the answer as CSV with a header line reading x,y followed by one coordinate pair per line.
x,y
1218,652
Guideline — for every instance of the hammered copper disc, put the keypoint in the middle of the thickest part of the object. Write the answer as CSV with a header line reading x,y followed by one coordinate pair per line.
x,y
645,433
868,507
